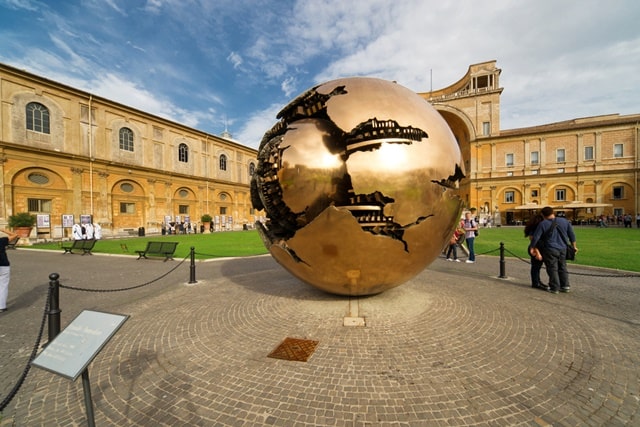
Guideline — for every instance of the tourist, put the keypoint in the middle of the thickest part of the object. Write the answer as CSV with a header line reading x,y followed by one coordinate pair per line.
x,y
5,269
549,236
470,228
535,254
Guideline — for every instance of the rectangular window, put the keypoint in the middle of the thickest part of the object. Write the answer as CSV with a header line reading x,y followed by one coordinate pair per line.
x,y
618,150
486,128
535,172
39,205
618,193
509,197
534,193
509,159
183,209
223,210
588,153
561,195
560,158
127,208
535,158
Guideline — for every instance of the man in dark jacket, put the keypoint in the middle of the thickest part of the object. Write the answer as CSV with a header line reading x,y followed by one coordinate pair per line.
x,y
550,238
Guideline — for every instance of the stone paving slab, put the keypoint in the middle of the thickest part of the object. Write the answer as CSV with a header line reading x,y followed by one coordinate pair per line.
x,y
454,346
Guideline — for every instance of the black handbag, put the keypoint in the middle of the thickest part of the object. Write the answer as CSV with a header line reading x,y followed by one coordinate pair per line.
x,y
571,251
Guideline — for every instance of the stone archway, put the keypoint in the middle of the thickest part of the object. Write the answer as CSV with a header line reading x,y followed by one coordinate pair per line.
x,y
128,205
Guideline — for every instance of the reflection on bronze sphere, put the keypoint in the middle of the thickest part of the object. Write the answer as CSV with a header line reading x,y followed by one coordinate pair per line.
x,y
358,180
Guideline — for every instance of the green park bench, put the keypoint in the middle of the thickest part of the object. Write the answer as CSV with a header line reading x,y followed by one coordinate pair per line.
x,y
162,249
86,246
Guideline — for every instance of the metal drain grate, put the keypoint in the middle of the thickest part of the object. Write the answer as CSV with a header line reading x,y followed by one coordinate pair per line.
x,y
294,349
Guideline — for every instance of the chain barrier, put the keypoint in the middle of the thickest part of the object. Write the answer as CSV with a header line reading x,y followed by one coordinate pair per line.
x,y
575,272
488,252
73,288
34,352
208,255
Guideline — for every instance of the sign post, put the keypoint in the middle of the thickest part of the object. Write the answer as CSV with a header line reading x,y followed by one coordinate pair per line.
x,y
73,349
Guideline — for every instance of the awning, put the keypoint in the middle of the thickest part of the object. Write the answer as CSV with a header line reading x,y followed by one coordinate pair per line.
x,y
527,207
585,205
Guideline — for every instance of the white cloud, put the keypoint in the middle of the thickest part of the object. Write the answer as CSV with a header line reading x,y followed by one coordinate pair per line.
x,y
288,86
235,59
153,6
256,125
21,4
115,7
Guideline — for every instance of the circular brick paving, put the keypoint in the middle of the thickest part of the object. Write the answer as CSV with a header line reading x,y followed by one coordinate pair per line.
x,y
439,350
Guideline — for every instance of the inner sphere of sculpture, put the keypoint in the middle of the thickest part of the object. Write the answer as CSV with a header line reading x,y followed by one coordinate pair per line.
x,y
358,181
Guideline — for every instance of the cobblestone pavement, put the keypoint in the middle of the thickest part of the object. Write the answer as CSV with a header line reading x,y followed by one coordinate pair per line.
x,y
454,346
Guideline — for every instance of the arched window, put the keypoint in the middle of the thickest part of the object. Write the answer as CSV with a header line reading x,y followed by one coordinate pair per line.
x,y
223,162
126,139
252,168
37,117
183,153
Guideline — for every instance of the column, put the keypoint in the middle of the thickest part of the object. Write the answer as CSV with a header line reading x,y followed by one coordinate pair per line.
x,y
169,198
76,185
598,149
103,200
580,190
152,216
598,183
6,202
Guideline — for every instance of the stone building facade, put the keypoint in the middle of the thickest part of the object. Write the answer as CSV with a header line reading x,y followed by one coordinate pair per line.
x,y
66,152
591,160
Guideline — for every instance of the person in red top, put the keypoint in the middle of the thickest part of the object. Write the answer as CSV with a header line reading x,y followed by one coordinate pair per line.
x,y
5,269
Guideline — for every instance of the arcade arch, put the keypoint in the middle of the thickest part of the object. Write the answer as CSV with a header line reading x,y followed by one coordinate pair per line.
x,y
128,204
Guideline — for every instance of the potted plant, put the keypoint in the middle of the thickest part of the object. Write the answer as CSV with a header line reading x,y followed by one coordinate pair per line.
x,y
206,221
22,223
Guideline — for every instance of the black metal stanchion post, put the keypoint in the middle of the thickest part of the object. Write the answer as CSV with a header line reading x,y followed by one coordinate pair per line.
x,y
54,306
192,267
88,403
503,274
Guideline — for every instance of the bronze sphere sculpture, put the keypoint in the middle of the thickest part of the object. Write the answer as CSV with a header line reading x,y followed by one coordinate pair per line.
x,y
358,180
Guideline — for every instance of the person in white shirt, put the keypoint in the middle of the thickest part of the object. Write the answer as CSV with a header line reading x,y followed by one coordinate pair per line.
x,y
470,228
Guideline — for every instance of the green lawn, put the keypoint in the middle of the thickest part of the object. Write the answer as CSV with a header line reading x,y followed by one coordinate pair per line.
x,y
612,247
214,245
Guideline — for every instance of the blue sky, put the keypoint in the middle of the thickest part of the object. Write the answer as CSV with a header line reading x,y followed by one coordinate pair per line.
x,y
212,64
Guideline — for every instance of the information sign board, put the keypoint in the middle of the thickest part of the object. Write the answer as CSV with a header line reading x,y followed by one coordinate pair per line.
x,y
67,221
77,345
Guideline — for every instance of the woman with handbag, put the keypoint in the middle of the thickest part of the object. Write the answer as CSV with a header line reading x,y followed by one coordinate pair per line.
x,y
536,255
